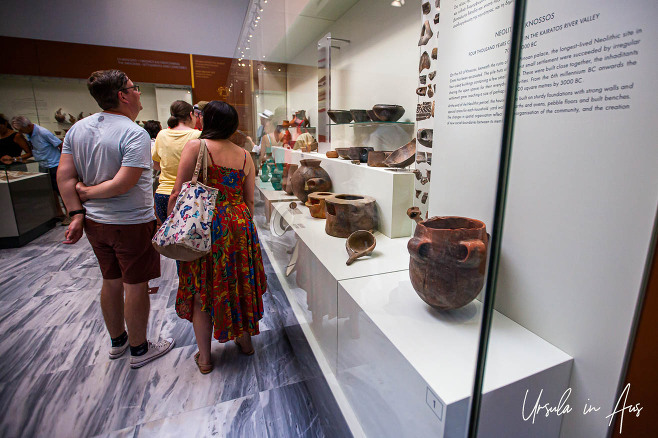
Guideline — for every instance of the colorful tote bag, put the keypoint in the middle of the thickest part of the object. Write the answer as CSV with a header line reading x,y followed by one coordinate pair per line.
x,y
185,234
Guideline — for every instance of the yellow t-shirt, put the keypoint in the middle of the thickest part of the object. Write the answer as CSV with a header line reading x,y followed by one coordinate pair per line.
x,y
168,148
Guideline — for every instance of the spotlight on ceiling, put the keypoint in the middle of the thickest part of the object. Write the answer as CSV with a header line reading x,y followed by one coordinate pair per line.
x,y
397,3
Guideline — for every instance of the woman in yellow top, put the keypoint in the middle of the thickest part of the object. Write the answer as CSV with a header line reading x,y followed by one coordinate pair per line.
x,y
167,151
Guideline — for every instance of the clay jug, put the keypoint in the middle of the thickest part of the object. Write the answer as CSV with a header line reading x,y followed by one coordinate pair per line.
x,y
310,177
292,168
448,259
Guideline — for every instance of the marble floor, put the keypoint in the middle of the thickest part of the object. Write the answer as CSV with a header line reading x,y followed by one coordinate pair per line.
x,y
56,379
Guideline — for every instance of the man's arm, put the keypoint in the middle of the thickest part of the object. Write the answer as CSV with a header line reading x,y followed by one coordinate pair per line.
x,y
67,178
124,180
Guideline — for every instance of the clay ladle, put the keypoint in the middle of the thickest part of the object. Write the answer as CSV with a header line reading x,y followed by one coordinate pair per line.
x,y
360,243
415,214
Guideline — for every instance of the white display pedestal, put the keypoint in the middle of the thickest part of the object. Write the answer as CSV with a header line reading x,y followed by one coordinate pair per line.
x,y
393,190
269,196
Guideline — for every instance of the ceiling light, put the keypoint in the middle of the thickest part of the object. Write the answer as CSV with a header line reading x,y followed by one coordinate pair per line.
x,y
250,36
397,3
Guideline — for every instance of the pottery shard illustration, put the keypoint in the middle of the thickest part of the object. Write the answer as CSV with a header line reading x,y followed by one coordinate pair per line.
x,y
438,4
437,17
423,111
315,204
349,213
425,34
448,259
435,53
426,8
308,178
423,79
431,75
430,91
360,243
402,156
424,62
60,116
421,91
425,137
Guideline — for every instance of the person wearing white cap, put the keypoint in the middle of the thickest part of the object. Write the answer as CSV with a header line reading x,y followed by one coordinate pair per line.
x,y
265,116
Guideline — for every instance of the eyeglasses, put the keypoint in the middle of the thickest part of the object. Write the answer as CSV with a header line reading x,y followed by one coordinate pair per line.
x,y
136,87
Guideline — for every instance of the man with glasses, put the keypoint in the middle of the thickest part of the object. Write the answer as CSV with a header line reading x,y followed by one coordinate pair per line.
x,y
106,165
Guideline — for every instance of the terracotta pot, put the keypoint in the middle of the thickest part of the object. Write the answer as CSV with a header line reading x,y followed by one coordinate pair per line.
x,y
287,186
315,204
376,158
349,213
310,177
359,244
448,259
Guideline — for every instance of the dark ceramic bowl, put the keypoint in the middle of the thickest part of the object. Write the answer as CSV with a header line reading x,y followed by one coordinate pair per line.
x,y
359,153
388,113
340,116
359,115
372,116
343,153
402,156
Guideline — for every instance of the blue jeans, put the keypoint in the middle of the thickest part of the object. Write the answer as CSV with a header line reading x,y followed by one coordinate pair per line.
x,y
161,203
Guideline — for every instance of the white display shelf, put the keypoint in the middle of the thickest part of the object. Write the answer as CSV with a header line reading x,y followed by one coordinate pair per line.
x,y
393,190
273,195
390,255
441,347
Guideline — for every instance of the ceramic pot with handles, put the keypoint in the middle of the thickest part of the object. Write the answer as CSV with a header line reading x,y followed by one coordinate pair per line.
x,y
308,178
448,259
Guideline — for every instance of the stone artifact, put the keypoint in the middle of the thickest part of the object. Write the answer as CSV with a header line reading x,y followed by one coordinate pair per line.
x,y
288,172
349,213
340,116
332,154
360,243
422,79
315,204
448,259
372,115
60,116
310,177
435,54
343,153
360,115
388,113
425,34
423,111
402,156
376,158
426,8
424,62
431,75
421,91
425,137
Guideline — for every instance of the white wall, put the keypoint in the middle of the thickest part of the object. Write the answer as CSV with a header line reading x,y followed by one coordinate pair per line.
x,y
203,27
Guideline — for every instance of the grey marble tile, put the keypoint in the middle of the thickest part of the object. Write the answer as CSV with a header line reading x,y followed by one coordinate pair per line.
x,y
289,412
331,418
83,401
302,350
275,290
128,432
176,385
276,364
270,320
239,418
178,328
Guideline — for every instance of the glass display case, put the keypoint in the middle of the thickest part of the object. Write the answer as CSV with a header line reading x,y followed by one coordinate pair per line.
x,y
27,201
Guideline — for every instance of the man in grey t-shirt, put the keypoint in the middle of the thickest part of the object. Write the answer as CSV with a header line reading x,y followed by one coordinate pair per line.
x,y
106,164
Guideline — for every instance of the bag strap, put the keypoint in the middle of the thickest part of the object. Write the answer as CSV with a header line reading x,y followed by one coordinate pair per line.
x,y
201,159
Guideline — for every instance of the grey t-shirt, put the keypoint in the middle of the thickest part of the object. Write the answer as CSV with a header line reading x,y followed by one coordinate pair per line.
x,y
101,144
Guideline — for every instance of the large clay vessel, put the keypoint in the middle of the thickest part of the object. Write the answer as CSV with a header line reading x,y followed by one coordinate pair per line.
x,y
310,177
448,259
349,213
315,204
287,186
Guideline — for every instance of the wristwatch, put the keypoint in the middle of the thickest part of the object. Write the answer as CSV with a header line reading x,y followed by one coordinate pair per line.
x,y
74,212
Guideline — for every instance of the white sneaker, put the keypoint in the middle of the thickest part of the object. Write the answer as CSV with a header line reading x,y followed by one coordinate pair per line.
x,y
155,351
117,352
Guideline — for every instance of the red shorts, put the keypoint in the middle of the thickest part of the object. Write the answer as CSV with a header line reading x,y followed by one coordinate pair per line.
x,y
124,251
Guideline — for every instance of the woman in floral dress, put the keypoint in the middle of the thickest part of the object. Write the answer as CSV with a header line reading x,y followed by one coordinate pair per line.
x,y
221,293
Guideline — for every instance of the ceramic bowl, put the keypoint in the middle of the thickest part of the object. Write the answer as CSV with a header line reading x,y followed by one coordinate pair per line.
x,y
359,115
360,243
402,156
340,116
388,113
372,115
343,153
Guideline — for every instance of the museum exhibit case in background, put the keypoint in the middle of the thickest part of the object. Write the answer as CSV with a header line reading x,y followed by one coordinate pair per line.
x,y
569,271
27,203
